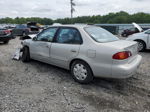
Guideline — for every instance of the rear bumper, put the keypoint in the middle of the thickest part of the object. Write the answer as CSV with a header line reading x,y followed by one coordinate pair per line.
x,y
127,70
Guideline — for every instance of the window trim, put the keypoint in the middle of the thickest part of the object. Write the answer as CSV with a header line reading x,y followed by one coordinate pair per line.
x,y
63,27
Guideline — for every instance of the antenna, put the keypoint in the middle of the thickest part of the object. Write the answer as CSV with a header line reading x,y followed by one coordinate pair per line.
x,y
72,7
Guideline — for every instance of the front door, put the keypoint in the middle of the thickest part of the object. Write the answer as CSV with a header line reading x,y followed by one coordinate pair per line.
x,y
40,47
65,46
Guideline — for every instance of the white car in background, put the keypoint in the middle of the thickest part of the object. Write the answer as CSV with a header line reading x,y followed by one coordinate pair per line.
x,y
143,39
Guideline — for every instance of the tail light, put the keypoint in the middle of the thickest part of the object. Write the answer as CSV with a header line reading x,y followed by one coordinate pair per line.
x,y
122,55
7,31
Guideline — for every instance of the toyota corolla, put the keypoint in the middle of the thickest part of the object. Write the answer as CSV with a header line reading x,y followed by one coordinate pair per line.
x,y
87,51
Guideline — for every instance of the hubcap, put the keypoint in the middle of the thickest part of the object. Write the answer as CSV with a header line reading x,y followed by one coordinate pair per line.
x,y
140,46
80,72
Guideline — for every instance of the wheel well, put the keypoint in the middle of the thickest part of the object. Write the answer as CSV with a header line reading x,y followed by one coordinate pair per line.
x,y
141,41
25,46
78,60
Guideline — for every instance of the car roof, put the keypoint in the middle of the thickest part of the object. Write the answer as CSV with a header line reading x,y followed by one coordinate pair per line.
x,y
73,25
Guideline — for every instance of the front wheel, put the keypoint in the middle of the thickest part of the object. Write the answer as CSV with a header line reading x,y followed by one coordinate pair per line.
x,y
25,55
81,72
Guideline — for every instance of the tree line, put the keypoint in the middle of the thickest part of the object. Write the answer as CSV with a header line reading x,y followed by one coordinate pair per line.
x,y
119,17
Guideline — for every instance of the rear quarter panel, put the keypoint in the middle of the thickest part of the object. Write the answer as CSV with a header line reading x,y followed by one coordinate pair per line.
x,y
97,55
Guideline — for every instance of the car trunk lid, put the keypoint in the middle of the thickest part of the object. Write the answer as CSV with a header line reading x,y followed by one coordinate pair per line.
x,y
138,27
123,45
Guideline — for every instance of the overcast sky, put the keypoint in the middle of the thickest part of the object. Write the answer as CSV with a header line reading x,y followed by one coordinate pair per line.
x,y
61,8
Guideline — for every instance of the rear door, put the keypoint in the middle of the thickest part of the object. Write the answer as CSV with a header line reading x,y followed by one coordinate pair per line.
x,y
40,47
65,46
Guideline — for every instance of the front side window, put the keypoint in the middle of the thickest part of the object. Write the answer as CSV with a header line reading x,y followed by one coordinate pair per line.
x,y
47,35
100,35
68,36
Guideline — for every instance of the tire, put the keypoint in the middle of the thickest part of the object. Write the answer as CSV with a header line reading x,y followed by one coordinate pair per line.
x,y
25,54
6,42
141,45
81,72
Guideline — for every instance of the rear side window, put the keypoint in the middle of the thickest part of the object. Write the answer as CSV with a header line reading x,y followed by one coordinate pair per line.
x,y
100,35
68,36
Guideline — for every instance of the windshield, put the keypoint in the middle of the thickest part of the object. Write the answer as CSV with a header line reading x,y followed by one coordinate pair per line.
x,y
100,35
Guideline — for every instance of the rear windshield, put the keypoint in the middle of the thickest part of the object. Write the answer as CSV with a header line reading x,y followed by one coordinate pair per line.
x,y
100,34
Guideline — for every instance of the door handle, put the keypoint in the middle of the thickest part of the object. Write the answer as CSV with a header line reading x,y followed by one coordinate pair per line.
x,y
73,51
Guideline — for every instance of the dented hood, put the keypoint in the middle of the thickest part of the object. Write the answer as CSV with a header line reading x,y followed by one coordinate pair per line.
x,y
137,26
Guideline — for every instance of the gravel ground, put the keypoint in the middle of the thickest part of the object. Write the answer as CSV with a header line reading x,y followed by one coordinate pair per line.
x,y
38,87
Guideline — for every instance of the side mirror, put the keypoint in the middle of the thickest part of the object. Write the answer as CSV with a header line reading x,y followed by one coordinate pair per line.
x,y
34,38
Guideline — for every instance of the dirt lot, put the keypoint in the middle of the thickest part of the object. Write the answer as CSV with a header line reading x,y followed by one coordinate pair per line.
x,y
38,87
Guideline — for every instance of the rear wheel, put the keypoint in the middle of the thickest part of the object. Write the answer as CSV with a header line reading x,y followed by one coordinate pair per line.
x,y
81,72
26,54
141,45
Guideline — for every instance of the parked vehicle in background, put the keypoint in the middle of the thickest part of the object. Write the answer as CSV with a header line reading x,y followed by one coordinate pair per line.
x,y
128,32
10,28
131,31
34,26
20,30
23,30
142,38
5,35
87,51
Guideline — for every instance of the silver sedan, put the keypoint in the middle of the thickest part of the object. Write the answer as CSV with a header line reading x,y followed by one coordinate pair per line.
x,y
87,51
